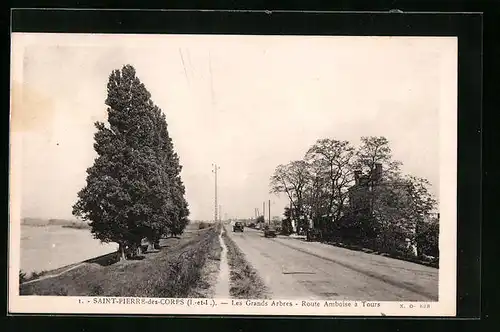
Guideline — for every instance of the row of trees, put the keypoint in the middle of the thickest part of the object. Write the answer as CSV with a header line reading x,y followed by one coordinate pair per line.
x,y
134,189
359,195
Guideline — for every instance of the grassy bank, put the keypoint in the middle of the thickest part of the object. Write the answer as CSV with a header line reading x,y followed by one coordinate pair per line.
x,y
174,271
245,283
205,287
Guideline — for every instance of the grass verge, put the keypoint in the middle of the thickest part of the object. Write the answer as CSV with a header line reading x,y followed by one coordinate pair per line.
x,y
245,282
205,287
172,272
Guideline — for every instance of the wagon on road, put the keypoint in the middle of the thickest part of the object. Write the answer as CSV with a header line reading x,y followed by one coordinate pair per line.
x,y
238,227
269,231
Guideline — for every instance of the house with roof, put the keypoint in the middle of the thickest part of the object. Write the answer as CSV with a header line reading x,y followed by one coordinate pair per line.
x,y
360,200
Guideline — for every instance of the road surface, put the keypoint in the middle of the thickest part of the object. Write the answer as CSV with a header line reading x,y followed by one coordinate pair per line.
x,y
295,269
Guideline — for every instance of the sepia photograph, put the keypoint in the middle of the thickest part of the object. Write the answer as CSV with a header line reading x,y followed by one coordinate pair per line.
x,y
233,174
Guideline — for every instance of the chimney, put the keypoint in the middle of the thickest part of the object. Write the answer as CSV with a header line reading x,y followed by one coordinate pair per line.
x,y
357,175
377,176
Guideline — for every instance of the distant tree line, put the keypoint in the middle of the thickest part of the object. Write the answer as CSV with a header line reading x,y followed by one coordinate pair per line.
x,y
358,195
134,188
260,220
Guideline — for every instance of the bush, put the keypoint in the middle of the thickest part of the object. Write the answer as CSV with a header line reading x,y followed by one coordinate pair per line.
x,y
22,277
354,229
36,275
314,234
428,240
286,227
393,243
202,225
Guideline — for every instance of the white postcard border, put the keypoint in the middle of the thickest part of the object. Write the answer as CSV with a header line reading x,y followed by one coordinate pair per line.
x,y
446,306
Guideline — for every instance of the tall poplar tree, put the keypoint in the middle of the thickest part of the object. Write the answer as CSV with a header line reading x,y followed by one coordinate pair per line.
x,y
178,216
128,195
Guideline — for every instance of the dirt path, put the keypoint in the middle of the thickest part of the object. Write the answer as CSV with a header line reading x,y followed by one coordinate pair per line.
x,y
222,287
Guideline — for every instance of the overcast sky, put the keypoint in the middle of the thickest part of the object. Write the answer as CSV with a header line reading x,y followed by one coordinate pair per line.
x,y
266,101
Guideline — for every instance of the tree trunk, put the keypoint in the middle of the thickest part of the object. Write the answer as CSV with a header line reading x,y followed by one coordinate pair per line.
x,y
151,246
416,239
122,252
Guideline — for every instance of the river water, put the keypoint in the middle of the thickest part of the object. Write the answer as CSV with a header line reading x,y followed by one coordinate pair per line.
x,y
50,247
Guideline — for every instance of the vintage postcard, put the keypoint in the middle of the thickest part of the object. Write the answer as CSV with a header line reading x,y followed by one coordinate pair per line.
x,y
233,175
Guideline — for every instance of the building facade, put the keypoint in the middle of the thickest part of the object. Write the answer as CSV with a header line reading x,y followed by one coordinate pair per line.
x,y
359,194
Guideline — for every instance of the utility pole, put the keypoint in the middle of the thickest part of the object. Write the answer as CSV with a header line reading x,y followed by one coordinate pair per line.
x,y
215,168
264,210
269,207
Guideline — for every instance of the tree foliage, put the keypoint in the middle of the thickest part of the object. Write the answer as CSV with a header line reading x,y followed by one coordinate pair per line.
x,y
376,150
384,209
331,163
133,190
292,179
286,222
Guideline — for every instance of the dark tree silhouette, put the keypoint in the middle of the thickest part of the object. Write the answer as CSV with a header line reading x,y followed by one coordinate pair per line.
x,y
133,189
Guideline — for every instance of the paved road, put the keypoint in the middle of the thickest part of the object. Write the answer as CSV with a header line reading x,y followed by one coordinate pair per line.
x,y
295,269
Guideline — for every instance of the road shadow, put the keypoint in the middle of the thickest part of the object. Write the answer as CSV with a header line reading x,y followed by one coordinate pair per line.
x,y
105,260
136,258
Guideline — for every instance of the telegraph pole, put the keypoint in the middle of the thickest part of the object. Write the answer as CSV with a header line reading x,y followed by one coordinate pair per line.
x,y
269,208
264,210
215,168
